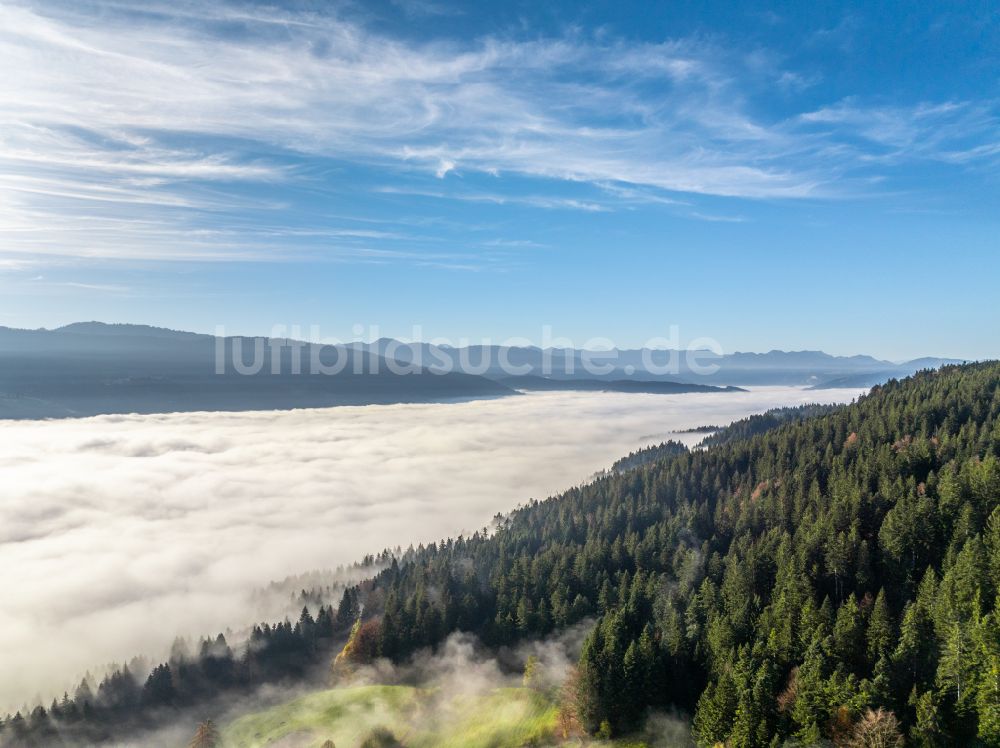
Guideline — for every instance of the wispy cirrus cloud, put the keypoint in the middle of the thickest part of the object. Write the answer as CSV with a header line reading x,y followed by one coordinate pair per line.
x,y
163,120
945,131
548,202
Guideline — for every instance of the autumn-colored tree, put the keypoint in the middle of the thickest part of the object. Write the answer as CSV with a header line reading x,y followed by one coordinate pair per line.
x,y
361,648
568,718
877,729
207,736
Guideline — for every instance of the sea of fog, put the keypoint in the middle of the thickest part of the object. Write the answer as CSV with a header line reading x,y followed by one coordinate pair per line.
x,y
119,532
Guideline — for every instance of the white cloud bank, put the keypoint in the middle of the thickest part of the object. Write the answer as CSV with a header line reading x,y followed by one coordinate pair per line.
x,y
119,532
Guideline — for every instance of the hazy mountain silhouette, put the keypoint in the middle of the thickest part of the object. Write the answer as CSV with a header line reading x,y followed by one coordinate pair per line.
x,y
91,368
532,382
802,368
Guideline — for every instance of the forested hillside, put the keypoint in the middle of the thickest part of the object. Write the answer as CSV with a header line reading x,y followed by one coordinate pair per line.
x,y
771,419
833,576
648,455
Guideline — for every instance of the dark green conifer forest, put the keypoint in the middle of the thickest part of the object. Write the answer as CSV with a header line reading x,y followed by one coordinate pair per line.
x,y
782,587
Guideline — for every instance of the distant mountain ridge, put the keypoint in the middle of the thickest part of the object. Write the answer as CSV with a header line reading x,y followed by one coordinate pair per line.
x,y
90,368
531,382
120,329
776,367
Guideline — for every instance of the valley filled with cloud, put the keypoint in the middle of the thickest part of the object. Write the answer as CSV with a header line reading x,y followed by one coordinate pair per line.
x,y
126,531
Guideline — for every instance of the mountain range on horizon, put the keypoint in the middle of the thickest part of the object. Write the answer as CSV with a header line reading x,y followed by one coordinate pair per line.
x,y
813,368
91,368
775,357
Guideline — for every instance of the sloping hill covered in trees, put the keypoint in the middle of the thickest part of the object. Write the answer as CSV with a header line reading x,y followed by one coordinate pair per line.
x,y
832,575
767,421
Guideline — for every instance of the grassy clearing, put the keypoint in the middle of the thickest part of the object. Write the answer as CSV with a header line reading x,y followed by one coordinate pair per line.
x,y
343,715
418,717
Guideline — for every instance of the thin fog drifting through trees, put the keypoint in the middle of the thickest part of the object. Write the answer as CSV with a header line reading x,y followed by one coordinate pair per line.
x,y
130,530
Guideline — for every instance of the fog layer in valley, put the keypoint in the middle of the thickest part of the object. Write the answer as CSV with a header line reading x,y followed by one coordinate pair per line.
x,y
119,532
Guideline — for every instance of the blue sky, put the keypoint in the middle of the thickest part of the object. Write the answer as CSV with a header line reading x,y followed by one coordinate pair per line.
x,y
819,175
